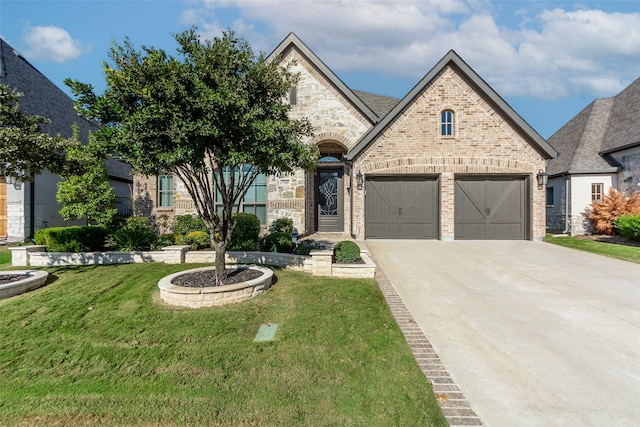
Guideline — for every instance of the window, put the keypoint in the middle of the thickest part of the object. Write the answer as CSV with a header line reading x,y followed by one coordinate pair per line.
x,y
597,190
446,123
549,196
293,95
165,191
255,200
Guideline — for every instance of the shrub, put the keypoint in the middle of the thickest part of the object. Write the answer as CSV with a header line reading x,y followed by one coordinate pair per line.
x,y
347,251
283,225
134,236
304,247
246,235
278,242
614,204
72,239
185,224
195,239
165,240
628,226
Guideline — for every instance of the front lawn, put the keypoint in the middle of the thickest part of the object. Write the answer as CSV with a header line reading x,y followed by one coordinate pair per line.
x,y
627,253
97,346
5,255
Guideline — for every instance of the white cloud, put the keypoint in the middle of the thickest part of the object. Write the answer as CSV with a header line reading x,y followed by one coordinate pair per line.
x,y
49,43
547,54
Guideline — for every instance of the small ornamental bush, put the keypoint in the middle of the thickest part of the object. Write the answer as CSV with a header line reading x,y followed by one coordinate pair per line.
x,y
278,242
195,239
246,235
165,240
185,224
72,239
347,251
304,247
134,236
614,204
628,226
283,225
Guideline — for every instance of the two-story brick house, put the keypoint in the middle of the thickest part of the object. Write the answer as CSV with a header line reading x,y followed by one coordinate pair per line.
x,y
451,160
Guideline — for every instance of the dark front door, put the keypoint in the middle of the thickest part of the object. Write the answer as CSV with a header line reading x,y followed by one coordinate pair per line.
x,y
491,208
401,208
330,200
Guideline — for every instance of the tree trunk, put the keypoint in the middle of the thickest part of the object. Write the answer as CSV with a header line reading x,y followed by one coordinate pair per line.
x,y
221,267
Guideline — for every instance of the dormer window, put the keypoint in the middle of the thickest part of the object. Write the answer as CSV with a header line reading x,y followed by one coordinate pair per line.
x,y
446,123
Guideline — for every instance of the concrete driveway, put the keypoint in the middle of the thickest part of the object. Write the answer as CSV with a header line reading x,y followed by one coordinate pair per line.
x,y
533,333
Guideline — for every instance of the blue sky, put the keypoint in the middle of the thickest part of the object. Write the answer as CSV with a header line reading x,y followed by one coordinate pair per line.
x,y
548,59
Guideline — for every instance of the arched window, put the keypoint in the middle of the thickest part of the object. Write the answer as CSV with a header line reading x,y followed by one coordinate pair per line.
x,y
446,123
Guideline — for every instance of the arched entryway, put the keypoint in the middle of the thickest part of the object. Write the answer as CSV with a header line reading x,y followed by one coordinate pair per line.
x,y
329,187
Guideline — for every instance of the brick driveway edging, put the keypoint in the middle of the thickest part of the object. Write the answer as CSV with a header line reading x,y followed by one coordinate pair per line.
x,y
455,406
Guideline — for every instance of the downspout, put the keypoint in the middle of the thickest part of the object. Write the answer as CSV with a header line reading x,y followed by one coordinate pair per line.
x,y
566,203
32,209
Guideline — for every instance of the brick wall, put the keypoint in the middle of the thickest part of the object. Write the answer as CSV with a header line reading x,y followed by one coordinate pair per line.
x,y
484,143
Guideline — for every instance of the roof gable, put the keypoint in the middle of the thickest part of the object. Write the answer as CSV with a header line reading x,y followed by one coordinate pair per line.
x,y
293,42
41,96
605,126
623,128
452,59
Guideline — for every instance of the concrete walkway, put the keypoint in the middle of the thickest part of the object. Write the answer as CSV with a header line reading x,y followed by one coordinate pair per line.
x,y
534,334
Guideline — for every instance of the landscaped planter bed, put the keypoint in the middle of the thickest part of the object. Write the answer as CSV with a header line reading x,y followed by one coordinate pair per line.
x,y
26,281
211,296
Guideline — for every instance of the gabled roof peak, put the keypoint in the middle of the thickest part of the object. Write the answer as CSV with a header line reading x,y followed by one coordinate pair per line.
x,y
451,57
293,39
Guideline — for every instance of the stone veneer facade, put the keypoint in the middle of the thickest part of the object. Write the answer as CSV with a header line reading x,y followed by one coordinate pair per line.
x,y
336,124
484,143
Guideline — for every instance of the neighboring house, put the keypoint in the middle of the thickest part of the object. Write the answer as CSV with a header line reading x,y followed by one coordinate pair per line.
x,y
451,160
28,207
598,149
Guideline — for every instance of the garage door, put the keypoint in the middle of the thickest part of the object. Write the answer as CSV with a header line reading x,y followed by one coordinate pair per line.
x,y
401,208
491,208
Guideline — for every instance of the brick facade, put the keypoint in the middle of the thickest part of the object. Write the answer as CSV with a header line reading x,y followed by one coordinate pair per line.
x,y
483,143
488,140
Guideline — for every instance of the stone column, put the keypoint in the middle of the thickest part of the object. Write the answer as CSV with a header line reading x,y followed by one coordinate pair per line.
x,y
20,254
175,254
321,262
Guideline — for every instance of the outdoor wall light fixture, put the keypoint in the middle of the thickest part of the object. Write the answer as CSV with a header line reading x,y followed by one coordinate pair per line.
x,y
359,180
15,181
543,177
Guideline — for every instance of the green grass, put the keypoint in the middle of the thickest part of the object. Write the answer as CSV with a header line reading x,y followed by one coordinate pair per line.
x,y
97,346
627,253
5,255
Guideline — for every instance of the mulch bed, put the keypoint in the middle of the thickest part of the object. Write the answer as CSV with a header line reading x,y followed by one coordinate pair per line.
x,y
8,278
616,240
207,278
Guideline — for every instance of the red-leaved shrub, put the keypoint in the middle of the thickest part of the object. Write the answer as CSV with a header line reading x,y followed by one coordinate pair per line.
x,y
614,204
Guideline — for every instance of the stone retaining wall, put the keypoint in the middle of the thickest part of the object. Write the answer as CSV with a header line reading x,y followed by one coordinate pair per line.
x,y
318,263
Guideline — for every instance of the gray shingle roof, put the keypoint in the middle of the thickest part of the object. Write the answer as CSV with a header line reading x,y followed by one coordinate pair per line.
x,y
606,125
624,120
42,97
380,104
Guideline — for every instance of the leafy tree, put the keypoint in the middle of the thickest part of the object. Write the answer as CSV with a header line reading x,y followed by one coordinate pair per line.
x,y
216,107
84,190
24,149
